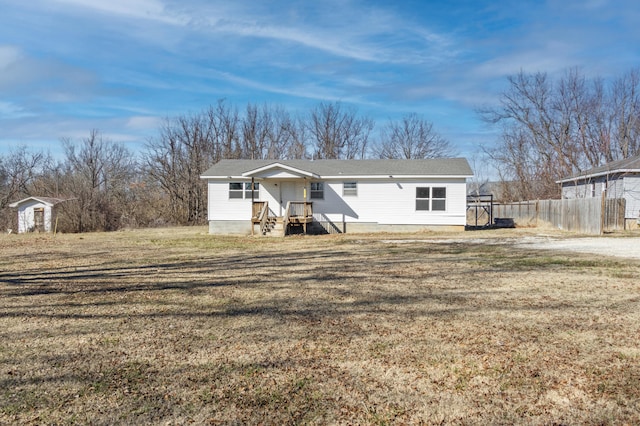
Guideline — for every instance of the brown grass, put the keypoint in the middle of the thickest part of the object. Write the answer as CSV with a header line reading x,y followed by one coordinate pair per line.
x,y
176,326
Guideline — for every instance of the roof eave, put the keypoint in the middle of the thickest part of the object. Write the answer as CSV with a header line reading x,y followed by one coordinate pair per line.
x,y
295,170
397,176
17,203
598,174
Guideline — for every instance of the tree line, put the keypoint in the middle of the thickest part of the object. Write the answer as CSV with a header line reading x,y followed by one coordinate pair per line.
x,y
555,128
548,129
108,187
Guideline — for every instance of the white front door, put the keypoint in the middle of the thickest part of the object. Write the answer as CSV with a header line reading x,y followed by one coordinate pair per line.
x,y
288,192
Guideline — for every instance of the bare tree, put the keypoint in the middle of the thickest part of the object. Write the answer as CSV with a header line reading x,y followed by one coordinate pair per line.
x,y
412,137
257,126
186,147
18,169
562,128
225,125
625,108
96,174
286,137
336,133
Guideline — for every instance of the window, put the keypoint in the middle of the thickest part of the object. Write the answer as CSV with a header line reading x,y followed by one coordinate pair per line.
x,y
247,190
317,190
438,198
240,190
235,189
422,198
350,188
431,198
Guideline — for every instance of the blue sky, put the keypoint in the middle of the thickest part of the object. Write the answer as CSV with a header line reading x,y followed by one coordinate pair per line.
x,y
121,66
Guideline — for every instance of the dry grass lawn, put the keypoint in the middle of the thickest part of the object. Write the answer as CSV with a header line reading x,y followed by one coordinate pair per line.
x,y
173,326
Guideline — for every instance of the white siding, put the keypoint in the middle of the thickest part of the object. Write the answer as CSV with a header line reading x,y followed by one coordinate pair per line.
x,y
382,201
221,207
632,195
26,219
615,188
387,201
576,190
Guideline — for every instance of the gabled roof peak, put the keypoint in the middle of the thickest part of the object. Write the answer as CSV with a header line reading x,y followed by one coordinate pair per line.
x,y
49,201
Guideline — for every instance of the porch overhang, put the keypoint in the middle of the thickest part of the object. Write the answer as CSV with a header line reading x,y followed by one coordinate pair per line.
x,y
279,171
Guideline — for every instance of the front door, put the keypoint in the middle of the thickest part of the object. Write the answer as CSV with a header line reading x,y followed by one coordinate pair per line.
x,y
287,193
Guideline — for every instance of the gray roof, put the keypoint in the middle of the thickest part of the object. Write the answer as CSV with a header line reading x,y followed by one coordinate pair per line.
x,y
626,165
329,168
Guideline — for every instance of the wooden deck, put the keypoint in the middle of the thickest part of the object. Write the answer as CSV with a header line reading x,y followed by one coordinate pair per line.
x,y
297,213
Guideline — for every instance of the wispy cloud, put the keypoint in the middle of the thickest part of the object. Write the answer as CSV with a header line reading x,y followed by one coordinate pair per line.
x,y
67,66
153,10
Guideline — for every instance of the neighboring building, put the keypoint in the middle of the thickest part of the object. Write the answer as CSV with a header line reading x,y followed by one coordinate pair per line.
x,y
37,214
618,179
337,195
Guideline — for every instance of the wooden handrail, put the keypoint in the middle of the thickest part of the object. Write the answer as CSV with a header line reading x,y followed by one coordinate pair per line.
x,y
301,209
257,208
285,219
264,215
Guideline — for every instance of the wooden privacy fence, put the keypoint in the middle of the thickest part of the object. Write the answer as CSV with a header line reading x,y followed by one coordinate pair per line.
x,y
586,215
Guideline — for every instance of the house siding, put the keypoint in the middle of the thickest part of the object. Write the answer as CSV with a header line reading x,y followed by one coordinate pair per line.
x,y
378,202
390,202
617,186
221,207
632,195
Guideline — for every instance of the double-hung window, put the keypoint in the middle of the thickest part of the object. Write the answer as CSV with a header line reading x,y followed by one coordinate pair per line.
x,y
317,190
240,190
350,189
431,198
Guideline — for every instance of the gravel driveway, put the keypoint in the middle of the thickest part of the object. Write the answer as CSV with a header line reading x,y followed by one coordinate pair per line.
x,y
608,246
628,247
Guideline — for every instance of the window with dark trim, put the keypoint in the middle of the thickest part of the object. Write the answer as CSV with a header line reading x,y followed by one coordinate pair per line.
x,y
350,189
240,190
434,199
317,190
247,190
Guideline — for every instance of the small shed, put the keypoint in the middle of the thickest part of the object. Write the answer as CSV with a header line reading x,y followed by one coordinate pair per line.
x,y
37,214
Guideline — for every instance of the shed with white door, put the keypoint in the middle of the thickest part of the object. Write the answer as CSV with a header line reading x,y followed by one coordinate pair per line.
x,y
37,214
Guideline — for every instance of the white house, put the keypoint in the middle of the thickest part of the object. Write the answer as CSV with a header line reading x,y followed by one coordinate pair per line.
x,y
36,213
618,179
337,195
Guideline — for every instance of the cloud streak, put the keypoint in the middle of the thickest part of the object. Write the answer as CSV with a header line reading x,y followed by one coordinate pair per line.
x,y
120,66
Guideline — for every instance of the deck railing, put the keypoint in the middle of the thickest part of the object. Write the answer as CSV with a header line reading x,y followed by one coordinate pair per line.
x,y
300,209
257,208
264,215
259,214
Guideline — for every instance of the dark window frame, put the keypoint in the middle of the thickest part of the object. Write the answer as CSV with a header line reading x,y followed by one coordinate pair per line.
x,y
316,191
431,198
242,190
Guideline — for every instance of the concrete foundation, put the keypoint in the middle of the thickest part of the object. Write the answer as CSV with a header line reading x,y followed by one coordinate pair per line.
x,y
372,227
230,227
243,227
